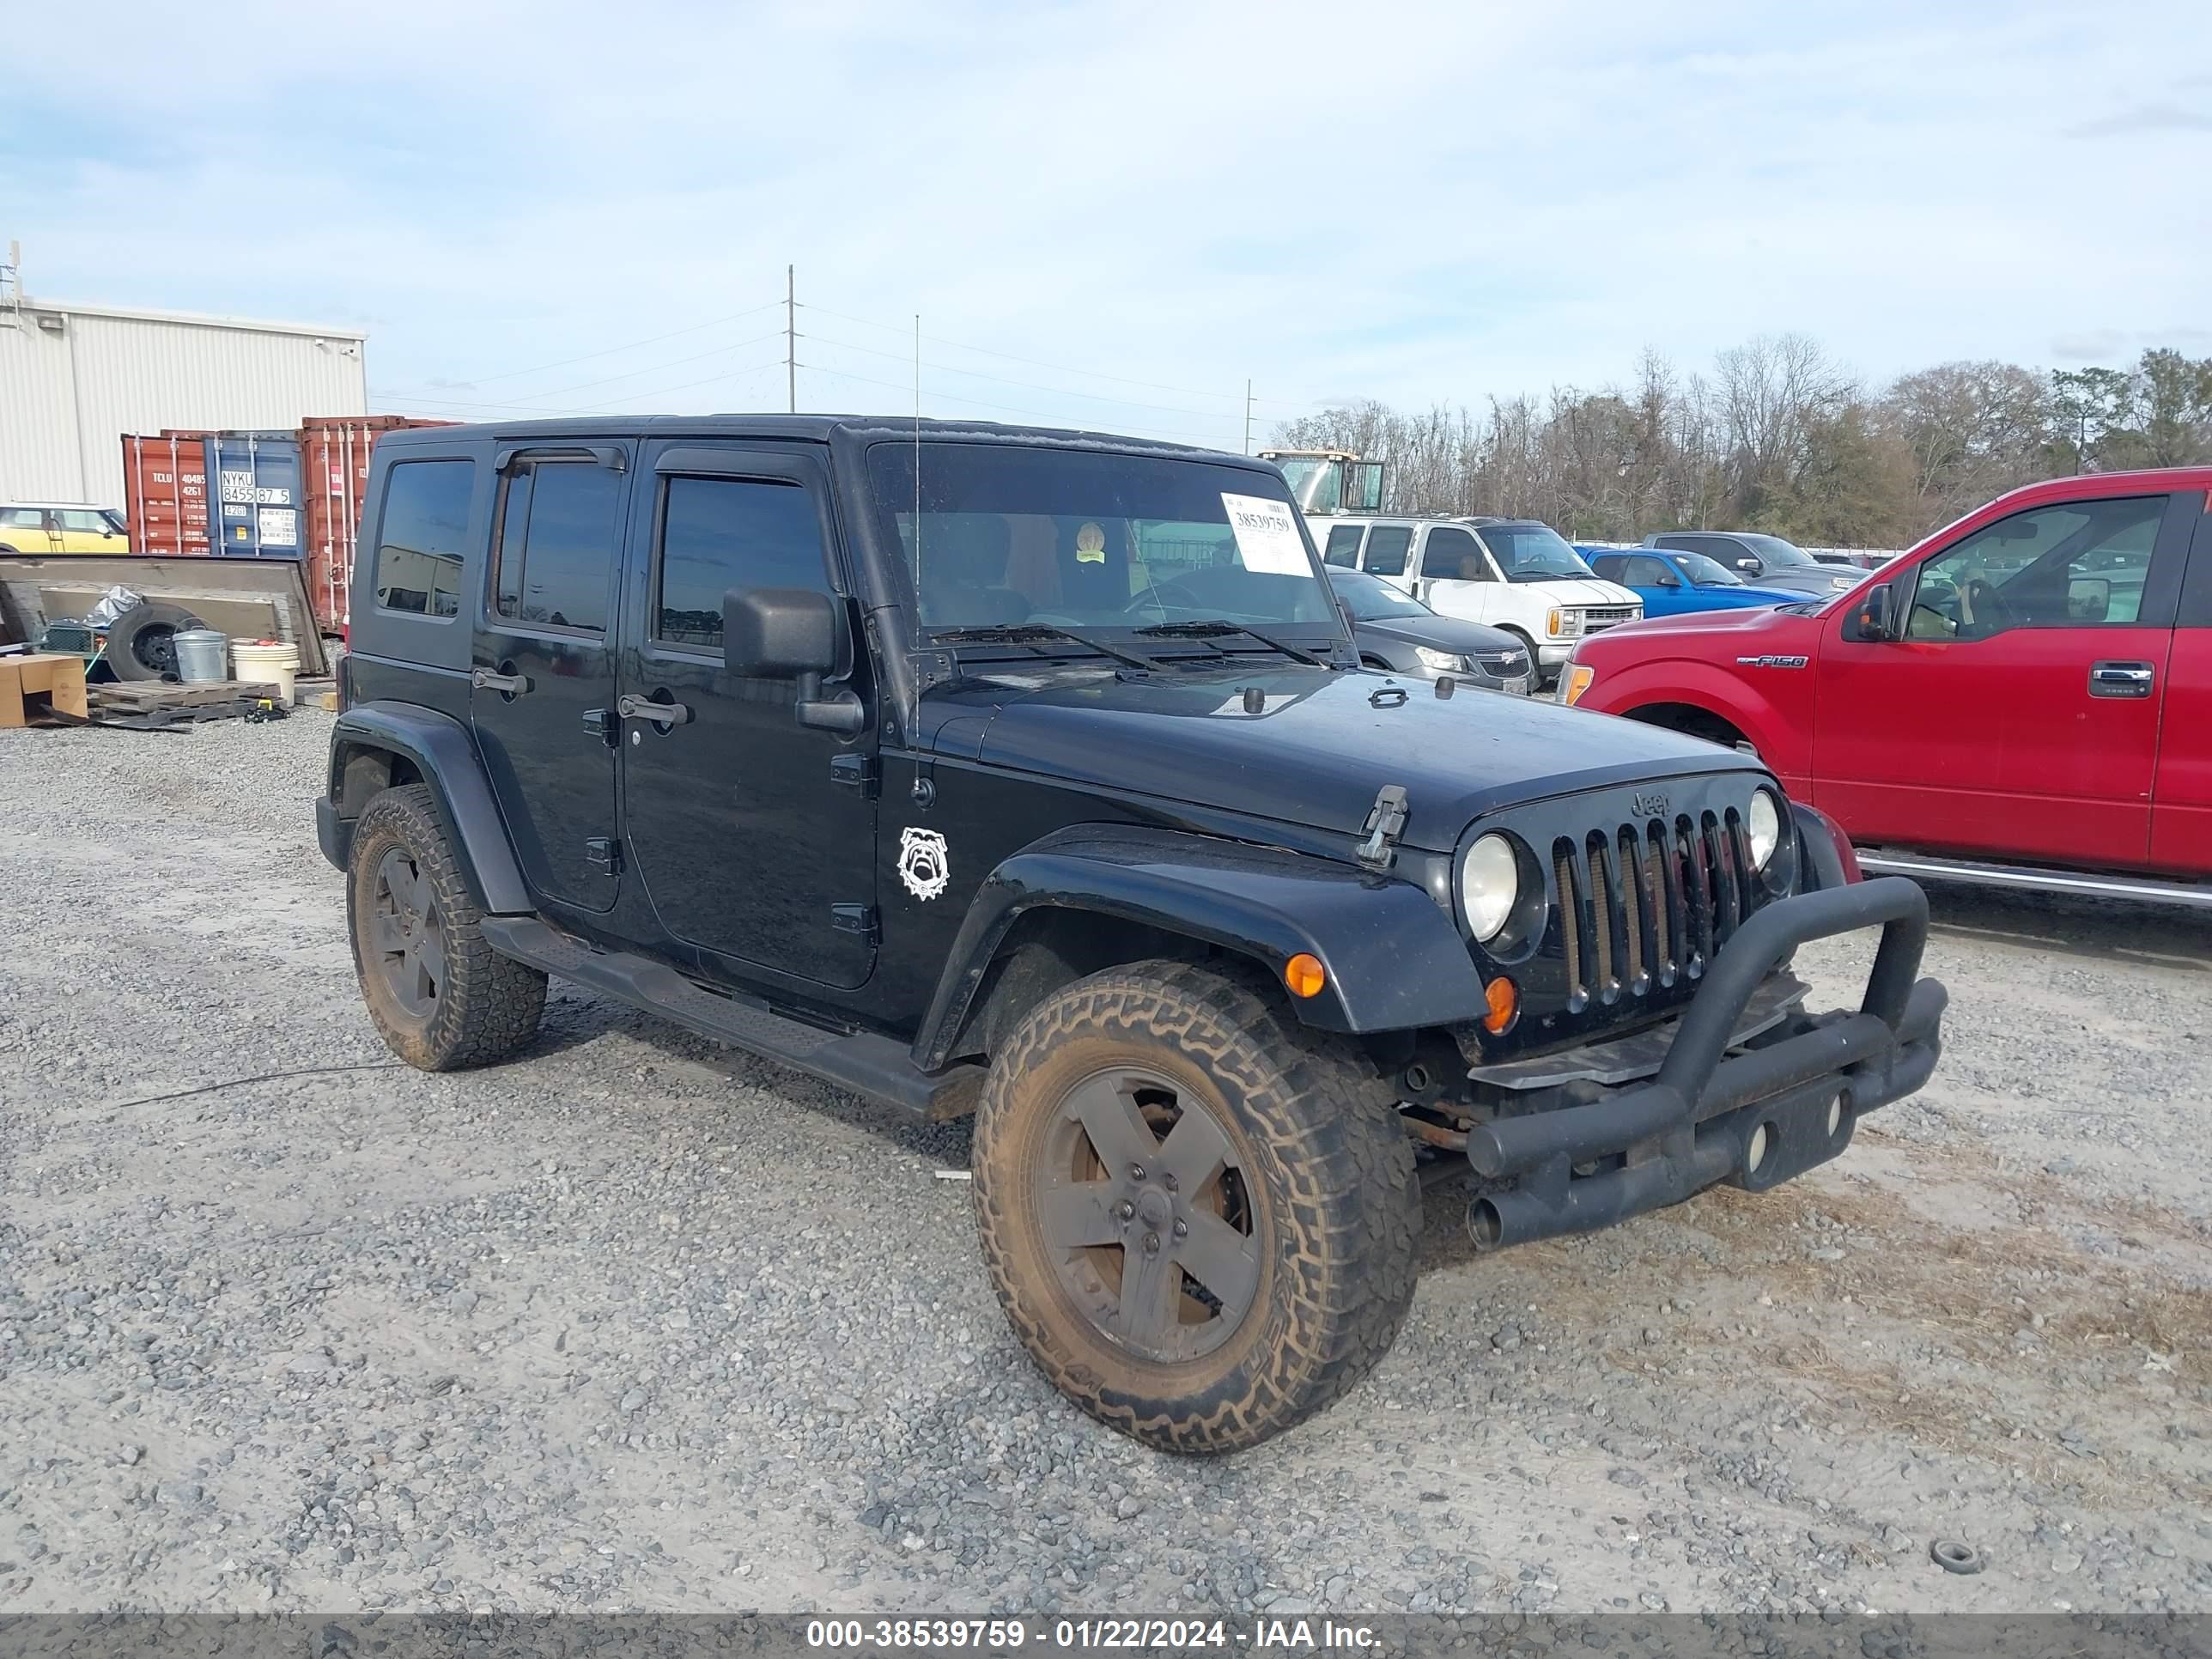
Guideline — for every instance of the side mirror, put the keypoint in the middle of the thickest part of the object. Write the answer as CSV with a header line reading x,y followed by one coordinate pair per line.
x,y
1668,579
1749,566
1871,620
790,632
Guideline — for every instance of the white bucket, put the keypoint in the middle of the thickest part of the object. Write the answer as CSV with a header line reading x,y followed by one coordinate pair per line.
x,y
260,662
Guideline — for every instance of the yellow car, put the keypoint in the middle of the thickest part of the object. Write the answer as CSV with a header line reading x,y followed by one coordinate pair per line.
x,y
61,527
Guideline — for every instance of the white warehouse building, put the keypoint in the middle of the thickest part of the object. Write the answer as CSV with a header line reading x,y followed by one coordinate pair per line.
x,y
74,379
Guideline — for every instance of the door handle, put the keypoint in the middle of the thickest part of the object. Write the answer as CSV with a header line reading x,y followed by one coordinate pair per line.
x,y
508,685
665,714
2121,679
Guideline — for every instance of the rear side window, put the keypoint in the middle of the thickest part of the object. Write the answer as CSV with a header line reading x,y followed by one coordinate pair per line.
x,y
1386,549
1684,544
22,518
721,533
558,530
1611,567
422,536
1343,548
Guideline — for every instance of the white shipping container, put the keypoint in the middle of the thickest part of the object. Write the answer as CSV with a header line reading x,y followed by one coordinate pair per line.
x,y
73,378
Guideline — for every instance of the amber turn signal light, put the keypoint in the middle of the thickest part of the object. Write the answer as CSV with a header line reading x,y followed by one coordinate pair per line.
x,y
1578,681
1304,974
1503,998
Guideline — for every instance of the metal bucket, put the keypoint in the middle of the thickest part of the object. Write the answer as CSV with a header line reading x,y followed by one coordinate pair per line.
x,y
202,654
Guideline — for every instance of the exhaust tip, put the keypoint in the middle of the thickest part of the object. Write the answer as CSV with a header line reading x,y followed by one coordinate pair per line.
x,y
1484,1224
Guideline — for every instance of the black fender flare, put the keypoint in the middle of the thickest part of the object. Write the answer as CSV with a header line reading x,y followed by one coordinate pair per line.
x,y
1395,960
443,751
1820,841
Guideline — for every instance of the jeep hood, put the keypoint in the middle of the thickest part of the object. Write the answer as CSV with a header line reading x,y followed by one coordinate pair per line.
x,y
1319,748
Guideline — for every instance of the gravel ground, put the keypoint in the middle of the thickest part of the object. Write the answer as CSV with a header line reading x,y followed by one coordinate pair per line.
x,y
636,1322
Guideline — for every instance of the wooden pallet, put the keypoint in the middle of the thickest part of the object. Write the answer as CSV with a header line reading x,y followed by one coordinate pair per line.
x,y
36,685
156,702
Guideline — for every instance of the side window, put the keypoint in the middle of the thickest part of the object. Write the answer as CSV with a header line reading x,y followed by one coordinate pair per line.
x,y
721,533
84,520
21,518
422,536
1344,545
558,526
1645,571
1453,555
1386,549
2075,564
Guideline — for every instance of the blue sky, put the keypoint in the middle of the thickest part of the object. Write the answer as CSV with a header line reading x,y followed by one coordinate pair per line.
x,y
1110,214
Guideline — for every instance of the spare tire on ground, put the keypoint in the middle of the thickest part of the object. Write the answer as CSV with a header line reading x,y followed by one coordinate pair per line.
x,y
141,642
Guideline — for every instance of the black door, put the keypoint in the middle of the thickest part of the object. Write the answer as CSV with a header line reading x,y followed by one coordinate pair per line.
x,y
751,843
544,669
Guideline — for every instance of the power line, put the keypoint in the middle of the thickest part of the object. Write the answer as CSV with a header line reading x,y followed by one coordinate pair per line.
x,y
1057,368
631,345
1212,440
651,369
1027,386
543,409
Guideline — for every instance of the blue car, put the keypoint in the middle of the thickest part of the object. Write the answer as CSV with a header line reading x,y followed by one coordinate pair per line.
x,y
1674,584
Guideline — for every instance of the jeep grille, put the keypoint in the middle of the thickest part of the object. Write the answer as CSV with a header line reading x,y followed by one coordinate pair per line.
x,y
1644,906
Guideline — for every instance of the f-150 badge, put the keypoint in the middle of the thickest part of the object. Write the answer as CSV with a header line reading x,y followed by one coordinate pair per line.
x,y
1773,662
922,864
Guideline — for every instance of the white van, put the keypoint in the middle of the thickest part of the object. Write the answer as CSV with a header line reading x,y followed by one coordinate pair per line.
x,y
1514,573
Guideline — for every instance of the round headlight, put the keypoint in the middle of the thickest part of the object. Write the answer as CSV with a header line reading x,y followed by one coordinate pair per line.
x,y
1765,825
1489,882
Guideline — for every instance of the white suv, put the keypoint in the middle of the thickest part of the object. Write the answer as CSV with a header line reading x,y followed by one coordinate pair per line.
x,y
1514,573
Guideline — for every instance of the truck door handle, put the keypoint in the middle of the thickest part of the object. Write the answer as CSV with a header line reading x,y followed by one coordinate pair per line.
x,y
508,685
665,714
2121,679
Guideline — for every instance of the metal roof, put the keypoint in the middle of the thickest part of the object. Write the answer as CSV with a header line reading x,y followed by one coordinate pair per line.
x,y
32,305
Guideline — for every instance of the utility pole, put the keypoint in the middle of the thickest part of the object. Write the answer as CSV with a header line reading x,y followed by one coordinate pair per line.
x,y
1248,415
791,334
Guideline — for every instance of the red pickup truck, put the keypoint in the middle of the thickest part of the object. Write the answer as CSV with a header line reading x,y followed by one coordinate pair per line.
x,y
2023,699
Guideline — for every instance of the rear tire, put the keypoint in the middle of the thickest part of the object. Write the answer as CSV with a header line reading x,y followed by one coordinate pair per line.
x,y
441,996
1122,1286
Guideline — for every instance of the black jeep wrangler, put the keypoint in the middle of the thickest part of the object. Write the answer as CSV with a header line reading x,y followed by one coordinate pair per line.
x,y
1034,774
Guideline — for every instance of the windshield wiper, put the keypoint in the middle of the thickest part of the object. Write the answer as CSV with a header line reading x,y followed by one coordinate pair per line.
x,y
1037,634
1215,627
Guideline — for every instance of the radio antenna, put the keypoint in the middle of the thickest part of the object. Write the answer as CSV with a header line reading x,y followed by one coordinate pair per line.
x,y
917,449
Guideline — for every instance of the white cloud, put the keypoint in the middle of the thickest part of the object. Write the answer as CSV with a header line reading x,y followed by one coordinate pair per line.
x,y
1418,202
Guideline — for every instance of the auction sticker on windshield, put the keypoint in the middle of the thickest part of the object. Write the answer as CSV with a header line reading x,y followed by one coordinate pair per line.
x,y
1267,533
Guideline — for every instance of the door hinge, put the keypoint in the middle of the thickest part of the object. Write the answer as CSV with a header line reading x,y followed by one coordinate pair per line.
x,y
856,772
604,855
855,918
1386,822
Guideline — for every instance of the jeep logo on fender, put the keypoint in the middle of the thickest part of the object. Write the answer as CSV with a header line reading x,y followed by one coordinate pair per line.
x,y
1651,804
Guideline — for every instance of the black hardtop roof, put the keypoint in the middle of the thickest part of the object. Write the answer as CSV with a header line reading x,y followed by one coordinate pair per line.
x,y
818,428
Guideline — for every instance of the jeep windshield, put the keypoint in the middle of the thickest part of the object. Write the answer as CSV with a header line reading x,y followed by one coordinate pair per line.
x,y
1533,553
1081,549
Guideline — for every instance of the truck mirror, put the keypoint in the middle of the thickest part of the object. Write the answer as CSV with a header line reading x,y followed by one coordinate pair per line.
x,y
779,632
1872,620
1749,566
790,632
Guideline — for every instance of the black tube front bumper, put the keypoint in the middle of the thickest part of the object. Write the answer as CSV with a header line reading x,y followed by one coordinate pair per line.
x,y
1783,1104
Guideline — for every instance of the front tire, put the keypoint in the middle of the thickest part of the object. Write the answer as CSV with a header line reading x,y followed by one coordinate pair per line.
x,y
441,996
1200,1219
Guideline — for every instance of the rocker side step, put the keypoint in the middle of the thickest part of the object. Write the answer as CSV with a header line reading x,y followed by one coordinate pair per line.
x,y
865,1063
2027,877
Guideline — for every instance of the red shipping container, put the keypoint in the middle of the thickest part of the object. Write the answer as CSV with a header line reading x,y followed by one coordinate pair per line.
x,y
334,451
165,495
